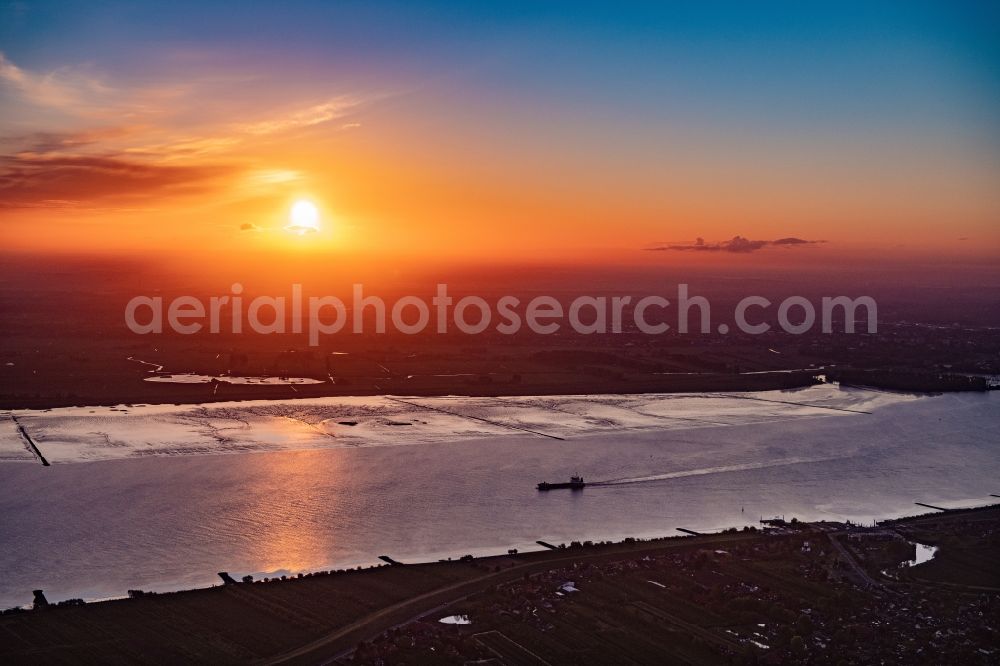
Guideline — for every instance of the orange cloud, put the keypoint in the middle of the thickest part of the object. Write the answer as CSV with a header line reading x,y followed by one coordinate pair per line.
x,y
32,180
159,151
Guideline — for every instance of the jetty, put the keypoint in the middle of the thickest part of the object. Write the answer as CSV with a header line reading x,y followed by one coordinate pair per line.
x,y
389,560
28,442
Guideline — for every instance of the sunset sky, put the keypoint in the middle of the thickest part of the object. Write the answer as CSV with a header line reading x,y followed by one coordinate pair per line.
x,y
436,131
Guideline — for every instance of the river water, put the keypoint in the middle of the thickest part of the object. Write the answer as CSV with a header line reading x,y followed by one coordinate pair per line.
x,y
161,498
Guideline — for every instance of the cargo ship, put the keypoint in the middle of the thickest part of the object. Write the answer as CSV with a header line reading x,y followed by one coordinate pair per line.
x,y
575,483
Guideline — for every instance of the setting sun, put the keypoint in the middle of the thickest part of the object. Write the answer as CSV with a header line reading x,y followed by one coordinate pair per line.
x,y
304,218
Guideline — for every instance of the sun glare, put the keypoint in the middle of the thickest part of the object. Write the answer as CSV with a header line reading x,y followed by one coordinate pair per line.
x,y
304,218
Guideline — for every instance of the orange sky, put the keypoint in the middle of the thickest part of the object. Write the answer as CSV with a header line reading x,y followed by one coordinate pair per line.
x,y
201,151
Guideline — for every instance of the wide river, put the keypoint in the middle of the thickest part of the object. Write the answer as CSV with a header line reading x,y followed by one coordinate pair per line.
x,y
161,498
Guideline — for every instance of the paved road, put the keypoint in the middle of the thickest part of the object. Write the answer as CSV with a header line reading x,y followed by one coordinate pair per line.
x,y
335,643
847,557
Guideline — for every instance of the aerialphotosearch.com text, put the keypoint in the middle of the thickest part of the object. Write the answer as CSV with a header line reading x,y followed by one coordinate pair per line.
x,y
320,316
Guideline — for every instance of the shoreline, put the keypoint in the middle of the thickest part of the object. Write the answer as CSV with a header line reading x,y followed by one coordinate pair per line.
x,y
149,390
161,393
491,556
215,400
732,597
269,393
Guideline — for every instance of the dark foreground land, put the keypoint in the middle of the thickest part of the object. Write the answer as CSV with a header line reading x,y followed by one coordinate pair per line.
x,y
793,593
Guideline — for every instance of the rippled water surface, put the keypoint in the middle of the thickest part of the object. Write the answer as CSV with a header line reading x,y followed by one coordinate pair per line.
x,y
296,489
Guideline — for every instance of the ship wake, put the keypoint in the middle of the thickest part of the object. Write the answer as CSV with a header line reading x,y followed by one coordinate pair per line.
x,y
721,469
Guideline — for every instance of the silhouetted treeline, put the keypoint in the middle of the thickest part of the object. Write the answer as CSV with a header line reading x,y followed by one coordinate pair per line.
x,y
897,380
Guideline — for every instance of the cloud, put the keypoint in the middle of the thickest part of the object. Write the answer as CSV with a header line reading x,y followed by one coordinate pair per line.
x,y
79,95
793,241
185,147
313,115
32,180
250,226
61,143
740,244
736,245
96,143
71,89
